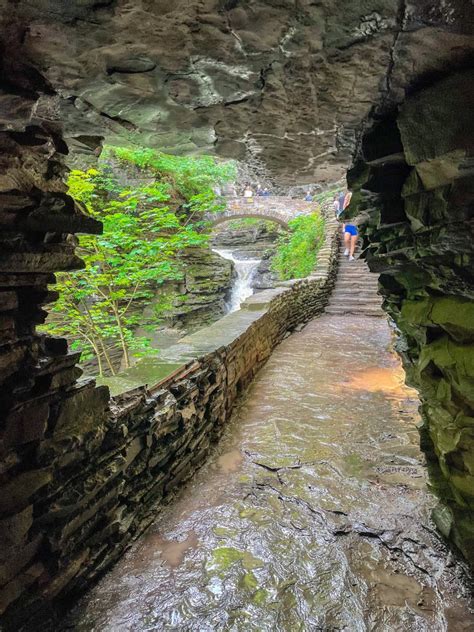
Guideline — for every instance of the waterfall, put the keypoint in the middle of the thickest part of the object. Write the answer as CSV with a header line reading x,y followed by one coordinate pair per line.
x,y
245,269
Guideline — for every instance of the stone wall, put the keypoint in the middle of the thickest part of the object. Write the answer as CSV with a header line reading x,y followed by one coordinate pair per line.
x,y
414,181
83,475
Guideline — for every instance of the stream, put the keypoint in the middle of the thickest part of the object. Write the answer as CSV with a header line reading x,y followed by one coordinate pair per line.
x,y
312,514
244,269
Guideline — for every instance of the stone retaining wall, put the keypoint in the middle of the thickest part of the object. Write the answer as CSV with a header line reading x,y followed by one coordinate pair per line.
x,y
98,470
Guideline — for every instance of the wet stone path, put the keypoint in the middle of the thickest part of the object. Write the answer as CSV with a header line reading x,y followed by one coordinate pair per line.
x,y
312,515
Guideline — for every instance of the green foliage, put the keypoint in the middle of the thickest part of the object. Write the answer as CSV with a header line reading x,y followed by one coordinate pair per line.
x,y
190,176
146,227
326,196
297,251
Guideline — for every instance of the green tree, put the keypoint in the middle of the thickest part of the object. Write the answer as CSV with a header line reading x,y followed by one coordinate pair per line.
x,y
145,229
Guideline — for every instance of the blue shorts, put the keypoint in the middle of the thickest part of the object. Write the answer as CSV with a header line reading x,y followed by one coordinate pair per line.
x,y
351,229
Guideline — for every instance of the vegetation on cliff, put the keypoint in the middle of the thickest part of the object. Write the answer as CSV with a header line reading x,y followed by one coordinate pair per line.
x,y
147,224
297,251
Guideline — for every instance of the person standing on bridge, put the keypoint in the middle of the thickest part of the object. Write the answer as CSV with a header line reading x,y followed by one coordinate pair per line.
x,y
308,197
248,193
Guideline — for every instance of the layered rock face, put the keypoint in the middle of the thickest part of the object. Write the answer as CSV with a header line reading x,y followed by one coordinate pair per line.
x,y
200,300
46,413
284,84
414,180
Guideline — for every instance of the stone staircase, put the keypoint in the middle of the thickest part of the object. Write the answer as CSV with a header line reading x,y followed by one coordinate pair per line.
x,y
355,291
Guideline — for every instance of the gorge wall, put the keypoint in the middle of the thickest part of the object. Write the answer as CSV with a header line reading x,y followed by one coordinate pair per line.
x,y
414,181
287,85
200,298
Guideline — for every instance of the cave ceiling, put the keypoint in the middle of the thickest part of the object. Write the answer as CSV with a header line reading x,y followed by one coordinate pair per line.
x,y
281,83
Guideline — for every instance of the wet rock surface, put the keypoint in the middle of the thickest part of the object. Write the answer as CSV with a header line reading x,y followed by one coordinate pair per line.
x,y
313,513
413,182
280,84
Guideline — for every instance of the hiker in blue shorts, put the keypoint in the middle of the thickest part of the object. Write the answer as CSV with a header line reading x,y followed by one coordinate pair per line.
x,y
350,232
350,240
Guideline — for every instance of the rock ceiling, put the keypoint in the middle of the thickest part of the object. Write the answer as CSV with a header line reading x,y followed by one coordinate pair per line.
x,y
284,83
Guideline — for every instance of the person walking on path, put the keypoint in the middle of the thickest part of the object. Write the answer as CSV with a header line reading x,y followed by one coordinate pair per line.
x,y
351,233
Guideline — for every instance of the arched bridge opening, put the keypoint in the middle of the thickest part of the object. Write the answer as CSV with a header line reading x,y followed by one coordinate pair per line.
x,y
219,219
278,209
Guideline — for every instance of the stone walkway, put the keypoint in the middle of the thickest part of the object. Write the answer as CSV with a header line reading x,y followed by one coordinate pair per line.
x,y
313,513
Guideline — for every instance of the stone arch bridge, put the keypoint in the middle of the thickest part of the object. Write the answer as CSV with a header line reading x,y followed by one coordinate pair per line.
x,y
277,209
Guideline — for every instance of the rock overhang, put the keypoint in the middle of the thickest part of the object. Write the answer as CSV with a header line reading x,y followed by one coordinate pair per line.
x,y
280,84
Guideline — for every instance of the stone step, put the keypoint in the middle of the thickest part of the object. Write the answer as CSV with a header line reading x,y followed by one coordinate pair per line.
x,y
371,303
348,275
353,265
357,263
355,291
354,287
356,310
355,283
363,274
354,303
348,296
349,285
354,270
359,297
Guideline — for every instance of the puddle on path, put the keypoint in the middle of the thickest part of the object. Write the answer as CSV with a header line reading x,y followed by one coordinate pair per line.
x,y
312,515
173,551
387,380
230,461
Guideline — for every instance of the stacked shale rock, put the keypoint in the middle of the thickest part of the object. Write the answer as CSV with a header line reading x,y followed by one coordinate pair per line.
x,y
281,82
415,171
48,418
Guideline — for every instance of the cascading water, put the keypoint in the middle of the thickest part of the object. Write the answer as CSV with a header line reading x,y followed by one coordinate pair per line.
x,y
245,269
